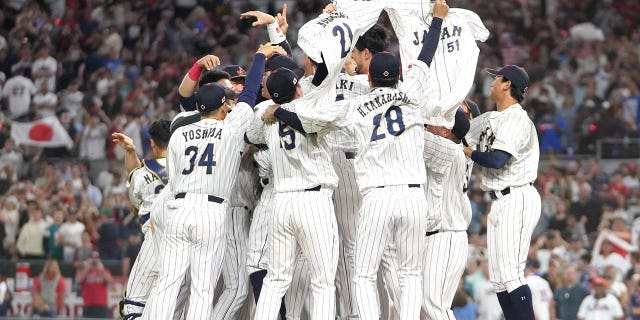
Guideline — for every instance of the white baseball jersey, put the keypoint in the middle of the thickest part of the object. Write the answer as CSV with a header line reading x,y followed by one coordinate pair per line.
x,y
257,252
541,296
513,132
605,308
243,193
388,128
46,63
300,160
194,150
446,165
454,64
18,90
347,87
144,183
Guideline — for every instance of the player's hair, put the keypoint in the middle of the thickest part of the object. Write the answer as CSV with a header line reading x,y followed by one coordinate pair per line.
x,y
160,132
384,83
516,92
212,76
375,39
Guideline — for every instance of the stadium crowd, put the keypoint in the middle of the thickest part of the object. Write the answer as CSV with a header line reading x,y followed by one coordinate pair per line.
x,y
115,66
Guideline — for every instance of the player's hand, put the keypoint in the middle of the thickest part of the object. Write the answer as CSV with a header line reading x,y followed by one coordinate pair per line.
x,y
269,50
440,9
123,141
282,19
262,18
209,62
269,115
329,8
350,67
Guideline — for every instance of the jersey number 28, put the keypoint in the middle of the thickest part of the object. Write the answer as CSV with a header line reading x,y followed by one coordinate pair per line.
x,y
395,126
206,158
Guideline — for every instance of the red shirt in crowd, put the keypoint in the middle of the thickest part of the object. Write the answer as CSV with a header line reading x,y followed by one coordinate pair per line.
x,y
95,289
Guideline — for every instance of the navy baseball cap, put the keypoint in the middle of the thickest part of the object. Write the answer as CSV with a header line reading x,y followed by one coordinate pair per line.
x,y
282,84
383,66
229,94
210,97
517,75
280,61
235,71
462,125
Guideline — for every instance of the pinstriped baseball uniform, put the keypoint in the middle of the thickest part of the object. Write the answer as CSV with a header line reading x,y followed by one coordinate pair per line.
x,y
449,215
347,200
454,64
234,272
509,234
387,126
208,149
144,186
257,248
303,219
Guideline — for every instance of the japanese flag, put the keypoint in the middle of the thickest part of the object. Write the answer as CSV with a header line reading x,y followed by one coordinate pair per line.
x,y
46,132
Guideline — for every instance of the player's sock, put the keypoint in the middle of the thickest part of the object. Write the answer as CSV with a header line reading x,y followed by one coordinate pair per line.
x,y
521,302
505,304
256,282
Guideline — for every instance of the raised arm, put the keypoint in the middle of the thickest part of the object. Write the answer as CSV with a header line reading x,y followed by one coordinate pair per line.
x,y
430,43
189,83
254,76
131,160
276,27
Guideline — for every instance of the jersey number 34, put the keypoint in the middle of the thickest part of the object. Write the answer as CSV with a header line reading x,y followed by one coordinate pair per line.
x,y
395,125
206,158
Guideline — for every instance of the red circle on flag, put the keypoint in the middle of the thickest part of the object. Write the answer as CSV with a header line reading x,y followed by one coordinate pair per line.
x,y
41,132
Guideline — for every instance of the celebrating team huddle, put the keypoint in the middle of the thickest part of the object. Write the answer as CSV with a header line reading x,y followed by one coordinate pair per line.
x,y
335,190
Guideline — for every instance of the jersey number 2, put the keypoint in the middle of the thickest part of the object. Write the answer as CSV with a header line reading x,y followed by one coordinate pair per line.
x,y
206,158
391,123
339,31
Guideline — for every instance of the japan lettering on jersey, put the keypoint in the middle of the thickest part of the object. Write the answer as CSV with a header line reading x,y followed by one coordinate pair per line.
x,y
299,160
513,132
445,186
204,157
388,129
454,63
146,182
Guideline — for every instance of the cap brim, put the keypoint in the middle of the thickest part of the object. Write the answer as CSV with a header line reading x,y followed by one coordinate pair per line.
x,y
493,72
240,76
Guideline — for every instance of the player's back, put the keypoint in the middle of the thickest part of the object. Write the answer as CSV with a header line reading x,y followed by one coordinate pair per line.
x,y
387,125
145,183
204,157
300,160
513,132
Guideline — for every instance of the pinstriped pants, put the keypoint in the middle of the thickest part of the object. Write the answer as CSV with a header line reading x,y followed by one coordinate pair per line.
x,y
391,214
303,223
509,228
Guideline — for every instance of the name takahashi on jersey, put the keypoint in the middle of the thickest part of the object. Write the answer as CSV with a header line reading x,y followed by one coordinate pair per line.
x,y
381,100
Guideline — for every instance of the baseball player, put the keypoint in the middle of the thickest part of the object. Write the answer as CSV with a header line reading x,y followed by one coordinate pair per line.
x,y
144,183
508,153
194,223
237,77
449,215
454,64
303,219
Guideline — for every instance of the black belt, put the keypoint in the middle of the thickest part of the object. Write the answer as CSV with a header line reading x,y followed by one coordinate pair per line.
x,y
350,155
211,198
144,218
501,193
411,185
430,233
316,188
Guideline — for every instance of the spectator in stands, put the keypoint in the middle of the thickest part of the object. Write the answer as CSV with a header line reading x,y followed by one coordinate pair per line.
x,y
44,102
569,296
70,235
49,291
615,286
588,209
44,68
93,144
634,303
600,305
93,193
5,297
108,236
83,253
18,91
9,216
13,157
95,280
54,246
30,241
